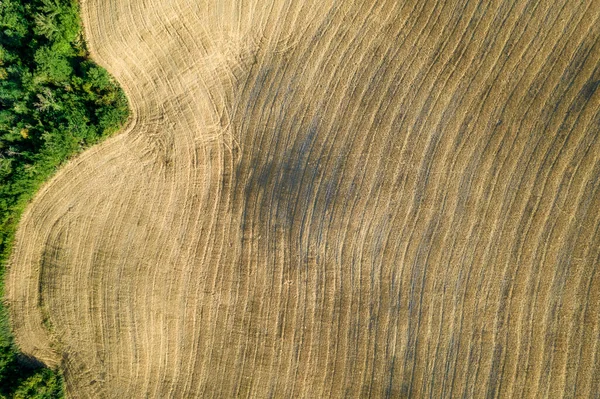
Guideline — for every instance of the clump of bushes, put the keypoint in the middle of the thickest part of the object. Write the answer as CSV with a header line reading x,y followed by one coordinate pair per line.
x,y
54,102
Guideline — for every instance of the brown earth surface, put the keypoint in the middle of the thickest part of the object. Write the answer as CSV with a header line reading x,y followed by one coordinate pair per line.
x,y
328,199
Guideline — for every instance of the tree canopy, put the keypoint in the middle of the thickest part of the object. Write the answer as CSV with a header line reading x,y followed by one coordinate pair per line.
x,y
54,102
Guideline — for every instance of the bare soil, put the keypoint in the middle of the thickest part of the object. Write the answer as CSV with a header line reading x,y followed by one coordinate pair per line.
x,y
328,199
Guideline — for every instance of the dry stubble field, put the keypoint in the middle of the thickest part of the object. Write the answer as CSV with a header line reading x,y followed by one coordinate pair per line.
x,y
328,199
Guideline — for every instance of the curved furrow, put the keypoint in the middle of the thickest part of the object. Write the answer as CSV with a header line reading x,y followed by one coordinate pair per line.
x,y
327,199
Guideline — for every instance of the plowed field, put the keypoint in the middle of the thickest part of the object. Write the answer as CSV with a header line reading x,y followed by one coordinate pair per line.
x,y
327,199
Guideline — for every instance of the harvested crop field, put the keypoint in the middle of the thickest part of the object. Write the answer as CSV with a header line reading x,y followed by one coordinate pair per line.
x,y
327,199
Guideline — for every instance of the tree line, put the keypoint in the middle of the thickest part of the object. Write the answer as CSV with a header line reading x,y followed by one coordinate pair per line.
x,y
54,102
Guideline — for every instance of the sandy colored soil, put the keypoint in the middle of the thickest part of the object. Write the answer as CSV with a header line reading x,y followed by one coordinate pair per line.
x,y
328,199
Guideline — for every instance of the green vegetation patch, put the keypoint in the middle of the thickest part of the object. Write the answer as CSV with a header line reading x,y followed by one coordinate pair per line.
x,y
54,102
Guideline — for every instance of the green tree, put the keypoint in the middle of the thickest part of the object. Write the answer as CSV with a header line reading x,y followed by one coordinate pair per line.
x,y
54,102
